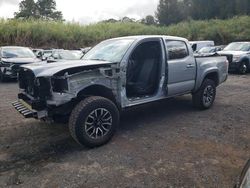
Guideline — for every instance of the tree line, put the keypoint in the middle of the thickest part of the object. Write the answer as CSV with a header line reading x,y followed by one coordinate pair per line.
x,y
168,11
41,9
174,11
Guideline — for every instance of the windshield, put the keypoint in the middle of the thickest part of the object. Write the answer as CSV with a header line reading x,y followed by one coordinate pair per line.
x,y
207,50
17,53
111,50
238,47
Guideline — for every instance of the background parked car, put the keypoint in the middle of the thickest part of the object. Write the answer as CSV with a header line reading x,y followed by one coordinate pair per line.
x,y
61,55
43,54
78,53
54,55
210,50
197,45
238,55
11,58
37,51
85,50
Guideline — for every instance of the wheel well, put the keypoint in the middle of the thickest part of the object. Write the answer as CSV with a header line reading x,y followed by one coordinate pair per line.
x,y
213,76
97,90
247,62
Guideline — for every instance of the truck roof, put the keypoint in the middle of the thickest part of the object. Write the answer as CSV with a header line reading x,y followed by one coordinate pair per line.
x,y
138,37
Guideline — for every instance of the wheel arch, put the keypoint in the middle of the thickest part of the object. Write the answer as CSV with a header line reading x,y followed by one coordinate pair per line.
x,y
212,76
97,90
247,60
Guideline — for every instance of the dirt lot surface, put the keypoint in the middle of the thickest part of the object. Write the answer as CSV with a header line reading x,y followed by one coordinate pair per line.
x,y
165,144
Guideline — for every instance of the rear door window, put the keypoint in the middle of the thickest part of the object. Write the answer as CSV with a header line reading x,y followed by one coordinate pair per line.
x,y
176,49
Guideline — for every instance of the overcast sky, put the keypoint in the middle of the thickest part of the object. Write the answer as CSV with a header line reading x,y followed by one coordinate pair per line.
x,y
90,11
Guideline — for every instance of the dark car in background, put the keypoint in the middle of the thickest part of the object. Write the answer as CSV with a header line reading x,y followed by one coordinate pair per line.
x,y
11,58
238,55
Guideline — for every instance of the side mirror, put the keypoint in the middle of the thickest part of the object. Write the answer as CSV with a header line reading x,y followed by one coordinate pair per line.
x,y
244,181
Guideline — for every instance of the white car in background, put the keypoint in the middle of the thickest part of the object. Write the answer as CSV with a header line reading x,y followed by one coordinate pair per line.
x,y
197,45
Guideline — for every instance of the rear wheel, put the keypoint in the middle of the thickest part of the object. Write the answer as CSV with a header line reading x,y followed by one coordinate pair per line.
x,y
93,122
205,96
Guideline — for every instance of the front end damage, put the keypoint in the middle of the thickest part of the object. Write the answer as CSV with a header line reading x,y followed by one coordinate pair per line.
x,y
49,96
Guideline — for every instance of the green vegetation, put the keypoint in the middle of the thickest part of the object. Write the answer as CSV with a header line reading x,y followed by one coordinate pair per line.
x,y
41,9
60,35
174,11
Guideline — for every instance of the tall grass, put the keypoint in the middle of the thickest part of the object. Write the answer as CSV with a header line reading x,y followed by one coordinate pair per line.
x,y
68,35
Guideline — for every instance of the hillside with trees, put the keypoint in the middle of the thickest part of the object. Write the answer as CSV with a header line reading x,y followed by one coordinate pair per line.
x,y
44,34
174,11
39,24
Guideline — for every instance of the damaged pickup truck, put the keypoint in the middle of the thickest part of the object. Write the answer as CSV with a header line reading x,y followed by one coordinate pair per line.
x,y
114,75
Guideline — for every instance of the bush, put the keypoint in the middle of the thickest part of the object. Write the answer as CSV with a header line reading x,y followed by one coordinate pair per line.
x,y
43,34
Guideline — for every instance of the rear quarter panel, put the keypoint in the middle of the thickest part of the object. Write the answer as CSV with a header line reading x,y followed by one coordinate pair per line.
x,y
207,65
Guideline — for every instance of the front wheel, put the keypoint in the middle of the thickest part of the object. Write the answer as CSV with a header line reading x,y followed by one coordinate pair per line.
x,y
243,68
93,122
205,96
2,77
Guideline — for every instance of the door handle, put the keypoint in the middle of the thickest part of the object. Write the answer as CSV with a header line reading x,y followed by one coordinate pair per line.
x,y
190,66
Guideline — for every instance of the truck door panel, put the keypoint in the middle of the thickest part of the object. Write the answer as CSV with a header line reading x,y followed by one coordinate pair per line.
x,y
181,68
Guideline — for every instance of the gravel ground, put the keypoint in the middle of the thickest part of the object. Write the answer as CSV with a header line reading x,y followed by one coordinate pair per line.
x,y
164,144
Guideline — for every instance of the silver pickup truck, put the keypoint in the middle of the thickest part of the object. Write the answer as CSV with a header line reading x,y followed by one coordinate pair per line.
x,y
114,75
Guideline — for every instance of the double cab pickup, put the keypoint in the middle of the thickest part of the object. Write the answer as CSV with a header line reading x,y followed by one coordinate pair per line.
x,y
114,75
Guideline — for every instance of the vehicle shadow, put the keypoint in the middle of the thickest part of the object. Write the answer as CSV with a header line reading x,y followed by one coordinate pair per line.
x,y
9,80
154,111
56,142
235,73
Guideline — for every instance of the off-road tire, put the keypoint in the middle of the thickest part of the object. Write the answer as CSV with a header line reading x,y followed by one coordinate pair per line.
x,y
79,117
198,97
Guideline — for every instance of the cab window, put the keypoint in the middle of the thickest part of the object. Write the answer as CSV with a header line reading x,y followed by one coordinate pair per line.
x,y
176,49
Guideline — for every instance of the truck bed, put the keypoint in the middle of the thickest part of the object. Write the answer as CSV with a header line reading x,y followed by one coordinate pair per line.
x,y
205,62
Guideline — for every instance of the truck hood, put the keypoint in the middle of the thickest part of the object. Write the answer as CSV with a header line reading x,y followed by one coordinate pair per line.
x,y
20,60
234,53
49,69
